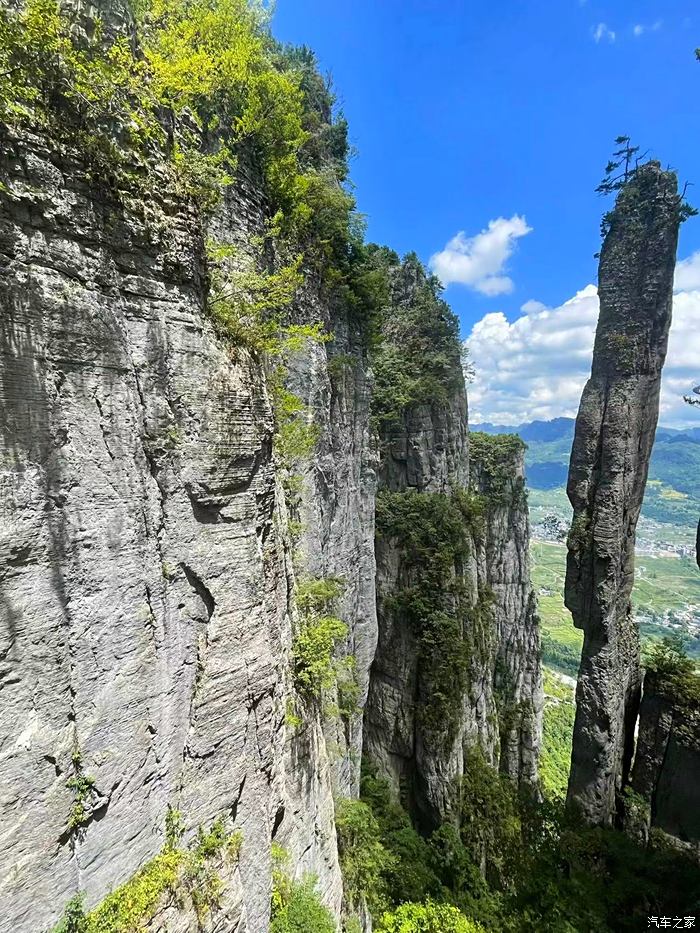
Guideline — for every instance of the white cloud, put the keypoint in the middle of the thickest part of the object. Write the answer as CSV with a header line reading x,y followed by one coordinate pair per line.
x,y
639,29
479,261
602,32
531,306
688,274
536,366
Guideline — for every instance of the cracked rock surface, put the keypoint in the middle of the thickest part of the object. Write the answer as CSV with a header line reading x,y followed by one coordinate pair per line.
x,y
614,435
144,569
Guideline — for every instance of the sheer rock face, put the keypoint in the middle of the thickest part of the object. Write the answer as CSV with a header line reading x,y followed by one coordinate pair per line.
x,y
429,452
505,557
502,703
609,463
667,764
145,571
337,508
145,559
395,742
425,451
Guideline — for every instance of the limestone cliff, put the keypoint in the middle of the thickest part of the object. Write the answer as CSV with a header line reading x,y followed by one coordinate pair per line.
x,y
458,636
609,463
153,538
666,761
146,578
497,474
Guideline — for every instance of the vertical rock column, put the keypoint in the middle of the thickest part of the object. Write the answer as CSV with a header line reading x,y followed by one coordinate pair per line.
x,y
667,761
497,473
615,431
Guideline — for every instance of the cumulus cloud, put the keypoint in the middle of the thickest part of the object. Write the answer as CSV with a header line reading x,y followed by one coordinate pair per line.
x,y
688,274
536,366
638,29
602,32
479,261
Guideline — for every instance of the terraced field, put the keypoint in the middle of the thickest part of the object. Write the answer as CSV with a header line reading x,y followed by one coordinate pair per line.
x,y
666,598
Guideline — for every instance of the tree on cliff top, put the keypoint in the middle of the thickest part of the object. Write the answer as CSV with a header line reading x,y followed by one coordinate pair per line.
x,y
621,171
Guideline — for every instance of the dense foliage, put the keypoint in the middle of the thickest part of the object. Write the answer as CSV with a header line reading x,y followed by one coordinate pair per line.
x,y
557,733
675,674
316,669
432,531
364,860
295,905
427,918
417,358
675,677
214,67
543,869
563,657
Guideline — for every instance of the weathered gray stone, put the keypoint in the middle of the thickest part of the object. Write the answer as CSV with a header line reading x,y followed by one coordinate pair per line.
x,y
337,508
428,451
145,574
609,463
497,472
147,569
666,764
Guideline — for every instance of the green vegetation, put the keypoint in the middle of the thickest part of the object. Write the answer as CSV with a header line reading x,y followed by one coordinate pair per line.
x,y
170,117
248,308
543,869
560,656
432,531
417,355
494,456
135,902
671,674
666,590
557,732
672,495
408,874
295,905
246,305
427,918
212,61
83,787
316,670
561,642
73,920
490,827
364,860
181,872
625,177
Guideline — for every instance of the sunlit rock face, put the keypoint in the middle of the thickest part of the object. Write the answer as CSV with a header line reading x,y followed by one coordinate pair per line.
x,y
146,560
149,552
609,463
490,672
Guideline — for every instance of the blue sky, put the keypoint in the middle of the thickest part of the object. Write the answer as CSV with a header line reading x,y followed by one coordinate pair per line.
x,y
466,112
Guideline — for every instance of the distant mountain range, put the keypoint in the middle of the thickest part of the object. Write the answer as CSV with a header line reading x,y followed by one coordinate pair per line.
x,y
674,472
